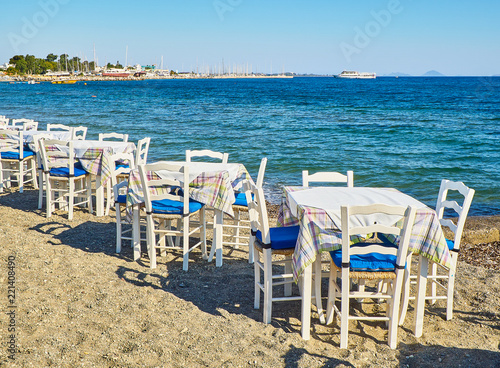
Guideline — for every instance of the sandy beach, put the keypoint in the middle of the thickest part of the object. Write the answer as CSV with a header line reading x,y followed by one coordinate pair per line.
x,y
79,304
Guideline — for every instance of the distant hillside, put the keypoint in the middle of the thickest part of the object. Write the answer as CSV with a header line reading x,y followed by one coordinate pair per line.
x,y
433,73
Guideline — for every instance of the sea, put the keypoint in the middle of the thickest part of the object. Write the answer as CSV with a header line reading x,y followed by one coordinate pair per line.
x,y
407,133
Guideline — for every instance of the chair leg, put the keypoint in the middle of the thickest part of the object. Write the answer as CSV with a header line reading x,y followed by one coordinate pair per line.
x,y
288,269
268,285
344,309
21,176
256,270
203,235
405,293
118,230
185,243
449,291
432,274
151,241
48,197
317,289
332,291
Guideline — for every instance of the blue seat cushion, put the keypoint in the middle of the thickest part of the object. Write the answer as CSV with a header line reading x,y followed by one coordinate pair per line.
x,y
241,199
371,262
168,206
282,237
450,243
64,171
121,199
121,166
14,155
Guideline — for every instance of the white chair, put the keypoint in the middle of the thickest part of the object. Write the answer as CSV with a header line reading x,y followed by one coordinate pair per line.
x,y
113,136
324,178
438,273
238,223
39,167
52,127
123,225
206,153
369,261
30,125
164,206
65,185
327,177
142,150
18,124
79,133
268,242
17,163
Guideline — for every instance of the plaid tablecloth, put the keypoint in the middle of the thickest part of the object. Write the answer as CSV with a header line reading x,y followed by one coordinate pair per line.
x,y
318,233
213,188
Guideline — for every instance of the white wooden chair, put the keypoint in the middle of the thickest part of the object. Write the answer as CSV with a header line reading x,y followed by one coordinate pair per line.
x,y
18,124
238,223
442,279
30,125
52,127
39,167
123,225
79,133
327,177
370,262
65,185
17,163
324,178
206,153
113,136
268,242
162,207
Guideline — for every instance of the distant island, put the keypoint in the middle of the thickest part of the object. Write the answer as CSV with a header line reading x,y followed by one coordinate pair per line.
x,y
433,73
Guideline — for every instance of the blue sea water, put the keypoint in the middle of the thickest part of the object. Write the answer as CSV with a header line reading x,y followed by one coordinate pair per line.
x,y
407,133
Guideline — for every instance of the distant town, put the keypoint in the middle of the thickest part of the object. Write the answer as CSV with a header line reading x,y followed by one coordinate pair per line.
x,y
62,67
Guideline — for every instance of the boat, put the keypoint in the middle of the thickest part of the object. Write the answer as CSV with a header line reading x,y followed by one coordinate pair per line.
x,y
120,73
65,81
347,74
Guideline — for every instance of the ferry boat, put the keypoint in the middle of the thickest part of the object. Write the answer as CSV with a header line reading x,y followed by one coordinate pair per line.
x,y
64,81
356,75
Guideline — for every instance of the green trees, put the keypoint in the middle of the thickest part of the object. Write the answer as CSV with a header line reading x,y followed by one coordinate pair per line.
x,y
29,64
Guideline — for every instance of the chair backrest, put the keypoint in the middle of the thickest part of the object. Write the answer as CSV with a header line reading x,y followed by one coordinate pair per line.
x,y
460,210
117,159
141,153
79,133
30,125
113,136
206,153
262,171
36,147
19,123
358,227
155,187
4,122
257,210
57,153
51,127
327,177
12,140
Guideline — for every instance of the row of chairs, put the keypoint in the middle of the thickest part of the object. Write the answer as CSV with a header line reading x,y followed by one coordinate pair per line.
x,y
393,284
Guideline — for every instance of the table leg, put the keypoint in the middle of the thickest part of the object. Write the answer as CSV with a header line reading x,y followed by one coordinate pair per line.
x,y
306,303
136,232
99,197
423,268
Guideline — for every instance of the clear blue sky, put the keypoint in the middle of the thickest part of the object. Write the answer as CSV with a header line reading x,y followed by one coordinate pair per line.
x,y
455,37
